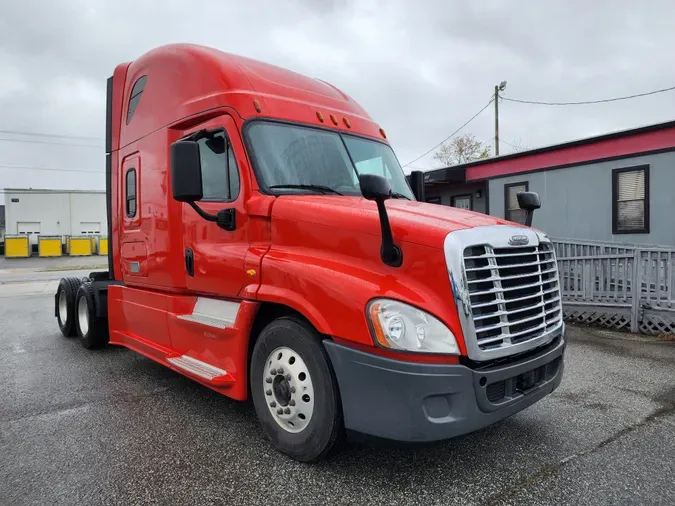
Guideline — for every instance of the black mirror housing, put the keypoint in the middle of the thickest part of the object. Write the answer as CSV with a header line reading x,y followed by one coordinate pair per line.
x,y
186,171
416,180
529,201
374,187
378,188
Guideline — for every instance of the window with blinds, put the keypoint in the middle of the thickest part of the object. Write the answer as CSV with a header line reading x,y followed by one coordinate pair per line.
x,y
512,211
631,200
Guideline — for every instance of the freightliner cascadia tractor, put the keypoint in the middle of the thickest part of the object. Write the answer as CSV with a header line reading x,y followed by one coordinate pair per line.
x,y
265,242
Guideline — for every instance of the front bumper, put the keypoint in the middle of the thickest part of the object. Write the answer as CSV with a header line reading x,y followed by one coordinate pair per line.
x,y
408,401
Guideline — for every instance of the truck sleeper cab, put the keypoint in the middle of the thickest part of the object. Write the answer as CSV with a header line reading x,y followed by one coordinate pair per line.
x,y
266,243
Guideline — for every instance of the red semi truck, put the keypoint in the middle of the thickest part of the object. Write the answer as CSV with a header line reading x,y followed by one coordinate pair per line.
x,y
266,243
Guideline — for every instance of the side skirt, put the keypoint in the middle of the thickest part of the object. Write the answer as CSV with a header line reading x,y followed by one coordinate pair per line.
x,y
204,339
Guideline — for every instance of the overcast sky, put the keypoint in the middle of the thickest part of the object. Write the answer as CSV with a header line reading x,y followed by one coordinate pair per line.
x,y
420,68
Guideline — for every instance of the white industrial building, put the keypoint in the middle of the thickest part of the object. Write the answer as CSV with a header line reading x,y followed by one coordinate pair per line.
x,y
36,212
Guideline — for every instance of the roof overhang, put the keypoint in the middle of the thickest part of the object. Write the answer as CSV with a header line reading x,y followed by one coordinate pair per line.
x,y
449,175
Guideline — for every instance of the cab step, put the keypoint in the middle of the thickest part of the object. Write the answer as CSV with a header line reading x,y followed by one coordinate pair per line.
x,y
208,372
219,314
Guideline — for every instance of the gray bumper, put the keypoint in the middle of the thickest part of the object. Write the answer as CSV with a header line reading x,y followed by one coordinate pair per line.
x,y
408,401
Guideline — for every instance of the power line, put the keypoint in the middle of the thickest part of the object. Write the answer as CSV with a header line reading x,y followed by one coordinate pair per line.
x,y
33,141
43,191
586,102
515,146
53,169
512,145
452,134
59,136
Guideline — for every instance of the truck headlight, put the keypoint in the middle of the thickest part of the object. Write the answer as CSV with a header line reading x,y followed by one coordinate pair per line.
x,y
400,326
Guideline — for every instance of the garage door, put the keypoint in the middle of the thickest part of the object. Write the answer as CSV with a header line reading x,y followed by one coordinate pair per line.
x,y
90,227
29,228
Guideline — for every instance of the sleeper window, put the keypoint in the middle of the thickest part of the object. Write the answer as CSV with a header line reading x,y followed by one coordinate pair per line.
x,y
130,191
135,97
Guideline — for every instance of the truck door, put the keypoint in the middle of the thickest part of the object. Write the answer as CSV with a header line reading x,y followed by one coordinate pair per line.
x,y
214,257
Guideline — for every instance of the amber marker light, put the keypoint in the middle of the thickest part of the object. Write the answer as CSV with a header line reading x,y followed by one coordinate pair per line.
x,y
377,326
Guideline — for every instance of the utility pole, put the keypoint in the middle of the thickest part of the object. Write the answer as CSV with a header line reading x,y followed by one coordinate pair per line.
x,y
496,120
498,88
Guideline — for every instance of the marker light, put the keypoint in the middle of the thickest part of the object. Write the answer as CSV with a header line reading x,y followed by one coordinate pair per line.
x,y
399,326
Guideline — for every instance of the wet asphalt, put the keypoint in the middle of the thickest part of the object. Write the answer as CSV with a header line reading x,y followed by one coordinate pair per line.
x,y
21,270
111,427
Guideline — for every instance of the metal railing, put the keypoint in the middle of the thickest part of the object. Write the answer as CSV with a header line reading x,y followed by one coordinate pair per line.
x,y
617,285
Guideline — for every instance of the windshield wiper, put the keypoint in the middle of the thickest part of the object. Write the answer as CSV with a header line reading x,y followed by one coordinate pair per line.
x,y
400,196
317,187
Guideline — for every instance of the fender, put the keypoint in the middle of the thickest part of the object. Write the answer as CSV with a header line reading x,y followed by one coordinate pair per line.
x,y
286,297
333,291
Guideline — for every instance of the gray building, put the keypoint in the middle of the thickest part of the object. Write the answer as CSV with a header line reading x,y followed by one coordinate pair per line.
x,y
614,187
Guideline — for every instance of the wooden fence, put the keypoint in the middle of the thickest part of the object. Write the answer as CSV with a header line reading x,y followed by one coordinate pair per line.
x,y
616,285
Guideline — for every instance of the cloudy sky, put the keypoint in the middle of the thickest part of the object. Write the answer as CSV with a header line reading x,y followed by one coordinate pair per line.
x,y
421,68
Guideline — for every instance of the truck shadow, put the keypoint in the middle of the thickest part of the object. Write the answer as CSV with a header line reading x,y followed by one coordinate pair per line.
x,y
509,450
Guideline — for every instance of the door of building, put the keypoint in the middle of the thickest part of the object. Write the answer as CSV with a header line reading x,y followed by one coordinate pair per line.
x,y
90,227
29,228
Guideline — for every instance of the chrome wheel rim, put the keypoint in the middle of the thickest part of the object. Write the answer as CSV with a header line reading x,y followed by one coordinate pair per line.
x,y
83,315
288,389
63,308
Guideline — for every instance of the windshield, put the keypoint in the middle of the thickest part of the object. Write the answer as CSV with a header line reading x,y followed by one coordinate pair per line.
x,y
292,155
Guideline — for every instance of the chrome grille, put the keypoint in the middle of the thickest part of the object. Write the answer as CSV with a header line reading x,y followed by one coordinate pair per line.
x,y
514,293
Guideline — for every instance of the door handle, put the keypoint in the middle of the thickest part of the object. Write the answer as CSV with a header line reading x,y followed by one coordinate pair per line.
x,y
190,262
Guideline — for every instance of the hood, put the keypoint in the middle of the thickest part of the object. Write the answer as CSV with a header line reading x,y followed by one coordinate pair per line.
x,y
415,222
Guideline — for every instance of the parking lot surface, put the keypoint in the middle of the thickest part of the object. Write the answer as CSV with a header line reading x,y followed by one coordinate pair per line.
x,y
111,427
18,271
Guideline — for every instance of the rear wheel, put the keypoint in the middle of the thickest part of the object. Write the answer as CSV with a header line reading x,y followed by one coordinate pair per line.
x,y
294,390
65,305
93,331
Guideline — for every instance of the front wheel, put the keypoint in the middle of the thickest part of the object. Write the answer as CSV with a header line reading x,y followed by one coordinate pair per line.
x,y
294,390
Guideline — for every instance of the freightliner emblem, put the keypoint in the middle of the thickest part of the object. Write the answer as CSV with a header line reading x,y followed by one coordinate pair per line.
x,y
518,240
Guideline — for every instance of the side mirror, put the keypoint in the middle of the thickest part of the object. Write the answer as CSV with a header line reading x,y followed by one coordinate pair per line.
x,y
186,171
374,187
416,181
378,188
528,201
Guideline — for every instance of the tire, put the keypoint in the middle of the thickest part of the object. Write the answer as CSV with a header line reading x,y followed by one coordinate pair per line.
x,y
313,437
65,305
93,331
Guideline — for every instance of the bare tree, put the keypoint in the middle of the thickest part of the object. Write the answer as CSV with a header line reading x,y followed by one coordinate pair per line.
x,y
461,150
517,145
